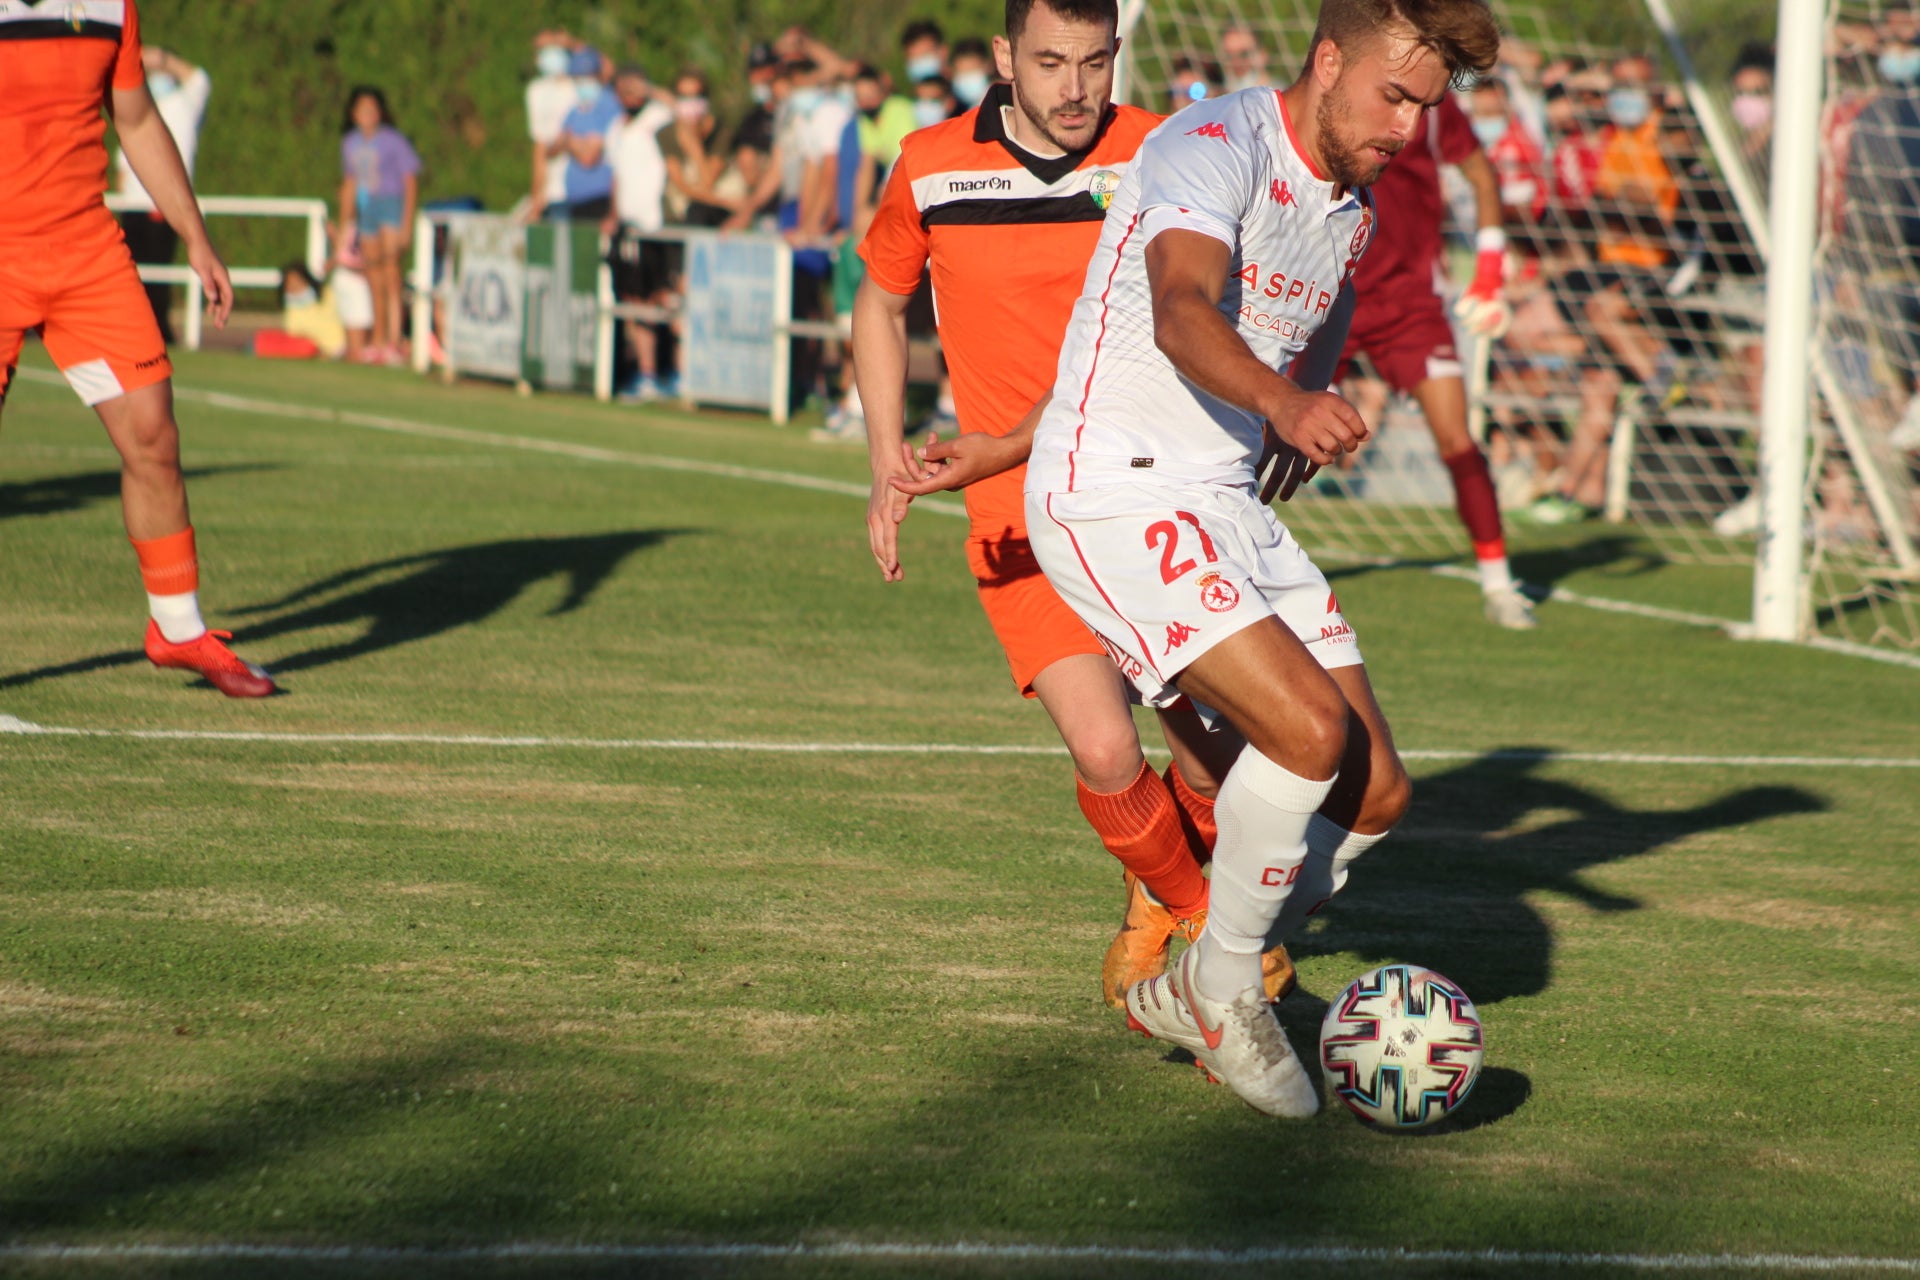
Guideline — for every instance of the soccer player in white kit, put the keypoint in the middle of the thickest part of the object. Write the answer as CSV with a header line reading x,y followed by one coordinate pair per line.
x,y
1226,256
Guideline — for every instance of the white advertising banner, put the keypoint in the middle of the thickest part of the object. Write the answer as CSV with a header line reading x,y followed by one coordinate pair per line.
x,y
734,299
487,265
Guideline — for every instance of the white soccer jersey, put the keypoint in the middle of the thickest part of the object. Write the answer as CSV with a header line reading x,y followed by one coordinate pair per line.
x,y
1229,168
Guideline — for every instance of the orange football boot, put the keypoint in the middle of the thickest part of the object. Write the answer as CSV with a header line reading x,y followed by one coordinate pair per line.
x,y
207,655
1140,950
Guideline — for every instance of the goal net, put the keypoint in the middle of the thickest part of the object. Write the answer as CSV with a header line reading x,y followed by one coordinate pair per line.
x,y
1633,167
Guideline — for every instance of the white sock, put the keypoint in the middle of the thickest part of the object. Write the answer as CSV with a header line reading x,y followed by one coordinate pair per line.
x,y
178,616
1262,812
1331,848
1495,576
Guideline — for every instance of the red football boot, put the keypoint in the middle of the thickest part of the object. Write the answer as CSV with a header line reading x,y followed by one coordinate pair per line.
x,y
207,655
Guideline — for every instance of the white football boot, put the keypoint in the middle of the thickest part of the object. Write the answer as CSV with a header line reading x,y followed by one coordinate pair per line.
x,y
1511,610
1239,1044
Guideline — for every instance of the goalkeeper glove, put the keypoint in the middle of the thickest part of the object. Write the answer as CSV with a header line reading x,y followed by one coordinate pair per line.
x,y
1482,308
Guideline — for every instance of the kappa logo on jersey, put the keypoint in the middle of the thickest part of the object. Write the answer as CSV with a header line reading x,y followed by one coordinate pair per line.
x,y
1178,633
1105,183
1283,194
1211,129
1217,595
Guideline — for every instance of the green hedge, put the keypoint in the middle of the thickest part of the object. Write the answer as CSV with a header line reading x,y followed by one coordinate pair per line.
x,y
454,71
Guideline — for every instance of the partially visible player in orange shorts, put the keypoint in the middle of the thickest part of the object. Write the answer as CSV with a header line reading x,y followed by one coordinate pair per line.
x,y
1004,204
65,271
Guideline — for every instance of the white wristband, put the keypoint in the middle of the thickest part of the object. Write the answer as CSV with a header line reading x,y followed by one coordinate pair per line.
x,y
1490,240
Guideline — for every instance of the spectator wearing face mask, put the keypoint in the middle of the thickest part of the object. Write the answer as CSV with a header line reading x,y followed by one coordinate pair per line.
x,y
933,101
923,48
1899,58
1578,116
1242,59
972,71
180,91
589,178
1635,185
550,96
885,119
1752,105
1518,161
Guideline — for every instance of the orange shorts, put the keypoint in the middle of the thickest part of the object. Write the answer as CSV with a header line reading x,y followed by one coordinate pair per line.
x,y
93,315
1033,623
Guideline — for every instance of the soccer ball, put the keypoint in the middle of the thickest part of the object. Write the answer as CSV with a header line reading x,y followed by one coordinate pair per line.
x,y
1401,1046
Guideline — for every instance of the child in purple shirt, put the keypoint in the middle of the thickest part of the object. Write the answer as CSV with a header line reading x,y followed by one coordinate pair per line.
x,y
379,191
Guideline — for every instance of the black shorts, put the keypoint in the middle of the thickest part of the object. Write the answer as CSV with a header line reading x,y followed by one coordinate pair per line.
x,y
645,269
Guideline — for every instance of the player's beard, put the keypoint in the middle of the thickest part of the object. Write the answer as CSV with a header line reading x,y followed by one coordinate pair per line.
x,y
1067,140
1349,161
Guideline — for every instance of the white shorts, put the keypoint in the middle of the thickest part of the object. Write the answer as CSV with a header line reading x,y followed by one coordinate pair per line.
x,y
1162,574
352,298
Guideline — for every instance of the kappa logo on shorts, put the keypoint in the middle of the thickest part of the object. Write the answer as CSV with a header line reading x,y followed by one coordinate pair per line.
x,y
1178,633
1217,595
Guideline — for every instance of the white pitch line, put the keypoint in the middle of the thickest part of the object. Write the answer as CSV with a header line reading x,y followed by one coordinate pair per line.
x,y
937,506
26,728
535,1251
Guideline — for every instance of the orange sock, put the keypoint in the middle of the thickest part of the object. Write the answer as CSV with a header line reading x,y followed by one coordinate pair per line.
x,y
168,565
1196,815
1141,827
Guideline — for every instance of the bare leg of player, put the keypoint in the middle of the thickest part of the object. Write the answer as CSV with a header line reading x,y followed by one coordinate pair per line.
x,y
153,494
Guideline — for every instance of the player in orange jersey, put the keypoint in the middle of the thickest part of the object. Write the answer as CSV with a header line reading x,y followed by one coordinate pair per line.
x,y
1005,204
65,271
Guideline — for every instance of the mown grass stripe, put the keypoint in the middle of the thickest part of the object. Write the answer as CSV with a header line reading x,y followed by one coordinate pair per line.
x,y
536,1251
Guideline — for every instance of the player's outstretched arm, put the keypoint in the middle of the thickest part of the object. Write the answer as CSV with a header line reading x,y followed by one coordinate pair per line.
x,y
880,371
1187,274
149,148
948,465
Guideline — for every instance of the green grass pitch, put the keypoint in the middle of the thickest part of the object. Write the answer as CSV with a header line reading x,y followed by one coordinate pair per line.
x,y
345,993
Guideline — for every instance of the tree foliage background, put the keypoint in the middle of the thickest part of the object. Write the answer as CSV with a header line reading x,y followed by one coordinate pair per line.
x,y
454,71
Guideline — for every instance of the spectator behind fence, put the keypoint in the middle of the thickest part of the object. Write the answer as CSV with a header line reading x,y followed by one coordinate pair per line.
x,y
923,48
1243,62
1577,151
933,101
971,71
379,191
180,92
309,320
1193,81
694,167
589,184
1636,186
1517,159
550,96
760,124
1752,105
632,146
642,269
885,119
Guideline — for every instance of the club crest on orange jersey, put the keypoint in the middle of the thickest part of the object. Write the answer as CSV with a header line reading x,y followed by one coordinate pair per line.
x,y
1211,129
1105,183
1217,595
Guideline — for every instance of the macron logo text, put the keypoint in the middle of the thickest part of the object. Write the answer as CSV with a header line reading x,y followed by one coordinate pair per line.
x,y
959,186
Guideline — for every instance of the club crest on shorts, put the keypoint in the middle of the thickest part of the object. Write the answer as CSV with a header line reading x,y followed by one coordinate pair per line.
x,y
1105,183
1217,595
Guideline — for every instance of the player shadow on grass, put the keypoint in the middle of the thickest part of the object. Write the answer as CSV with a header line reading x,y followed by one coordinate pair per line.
x,y
414,597
1450,890
56,495
437,591
1539,569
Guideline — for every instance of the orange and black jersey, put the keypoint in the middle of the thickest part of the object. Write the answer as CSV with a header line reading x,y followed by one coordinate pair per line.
x,y
1006,235
59,62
